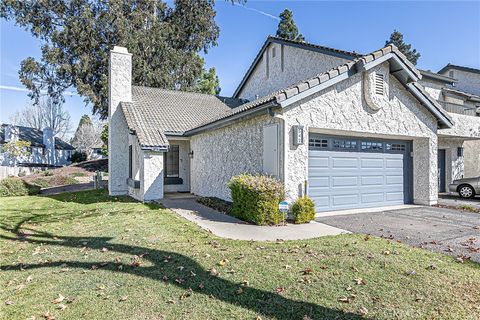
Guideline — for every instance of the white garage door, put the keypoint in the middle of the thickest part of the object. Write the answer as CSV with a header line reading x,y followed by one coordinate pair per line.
x,y
370,175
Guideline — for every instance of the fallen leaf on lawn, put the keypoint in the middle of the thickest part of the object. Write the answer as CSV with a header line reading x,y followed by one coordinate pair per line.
x,y
171,301
344,299
363,311
386,252
100,287
411,273
213,272
355,269
62,306
258,318
186,294
307,271
104,250
287,267
94,267
71,299
240,290
192,274
29,279
231,271
305,317
165,278
418,298
201,286
59,299
360,281
181,268
222,262
9,302
280,289
349,288
245,283
124,298
367,237
48,316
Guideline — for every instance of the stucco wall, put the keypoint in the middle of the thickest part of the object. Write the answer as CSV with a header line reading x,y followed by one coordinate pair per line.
x,y
434,88
184,167
464,126
299,64
467,81
137,167
152,181
37,156
472,158
454,165
223,153
342,110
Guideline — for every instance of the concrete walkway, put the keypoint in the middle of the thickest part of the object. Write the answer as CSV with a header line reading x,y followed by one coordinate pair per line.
x,y
226,226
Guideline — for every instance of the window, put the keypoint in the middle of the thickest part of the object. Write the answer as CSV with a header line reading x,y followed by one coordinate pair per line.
x,y
372,146
171,163
282,54
379,84
274,52
318,143
267,63
130,161
345,144
396,147
451,74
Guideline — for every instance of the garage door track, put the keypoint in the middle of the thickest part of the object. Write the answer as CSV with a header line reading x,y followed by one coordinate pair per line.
x,y
447,231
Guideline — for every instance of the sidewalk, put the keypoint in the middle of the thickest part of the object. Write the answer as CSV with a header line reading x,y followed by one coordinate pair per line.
x,y
226,226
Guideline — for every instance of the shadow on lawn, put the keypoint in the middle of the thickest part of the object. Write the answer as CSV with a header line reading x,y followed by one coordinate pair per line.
x,y
166,268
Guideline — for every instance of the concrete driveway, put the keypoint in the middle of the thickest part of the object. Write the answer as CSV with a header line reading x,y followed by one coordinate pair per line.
x,y
455,201
447,231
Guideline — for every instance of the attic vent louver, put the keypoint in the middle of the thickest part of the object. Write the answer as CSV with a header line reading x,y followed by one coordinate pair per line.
x,y
379,84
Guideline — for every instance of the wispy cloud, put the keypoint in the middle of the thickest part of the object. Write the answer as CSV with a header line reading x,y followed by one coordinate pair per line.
x,y
22,89
258,11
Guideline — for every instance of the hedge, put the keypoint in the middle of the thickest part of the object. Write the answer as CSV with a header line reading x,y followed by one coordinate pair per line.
x,y
255,198
303,210
10,187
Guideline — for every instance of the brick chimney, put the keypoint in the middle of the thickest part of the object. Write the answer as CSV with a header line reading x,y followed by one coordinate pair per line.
x,y
119,90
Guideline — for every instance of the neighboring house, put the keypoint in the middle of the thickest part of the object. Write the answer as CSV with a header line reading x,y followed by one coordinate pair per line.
x,y
96,152
44,150
349,130
465,95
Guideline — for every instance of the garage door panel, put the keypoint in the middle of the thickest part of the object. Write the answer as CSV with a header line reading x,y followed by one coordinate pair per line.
x,y
355,179
373,197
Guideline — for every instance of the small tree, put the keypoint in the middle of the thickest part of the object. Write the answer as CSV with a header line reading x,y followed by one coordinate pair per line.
x,y
16,149
287,29
208,82
87,137
396,38
104,137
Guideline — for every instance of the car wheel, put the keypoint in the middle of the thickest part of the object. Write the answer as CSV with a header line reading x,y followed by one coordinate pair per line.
x,y
466,192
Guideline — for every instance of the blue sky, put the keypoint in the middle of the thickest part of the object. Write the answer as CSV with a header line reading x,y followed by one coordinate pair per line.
x,y
442,31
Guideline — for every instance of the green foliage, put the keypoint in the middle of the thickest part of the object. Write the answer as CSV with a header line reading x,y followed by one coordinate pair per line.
x,y
216,203
287,29
41,182
208,82
76,37
79,157
396,38
104,137
256,198
48,173
11,187
303,210
14,149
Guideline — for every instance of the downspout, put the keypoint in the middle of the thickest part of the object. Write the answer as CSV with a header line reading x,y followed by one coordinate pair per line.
x,y
283,122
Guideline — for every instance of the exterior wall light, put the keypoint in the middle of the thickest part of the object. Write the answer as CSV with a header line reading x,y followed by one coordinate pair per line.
x,y
298,138
190,154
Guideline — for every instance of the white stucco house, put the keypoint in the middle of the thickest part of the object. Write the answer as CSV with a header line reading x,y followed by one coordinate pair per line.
x,y
349,130
45,149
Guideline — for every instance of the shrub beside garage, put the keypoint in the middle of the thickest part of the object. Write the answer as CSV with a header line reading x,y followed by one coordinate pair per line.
x,y
303,210
255,198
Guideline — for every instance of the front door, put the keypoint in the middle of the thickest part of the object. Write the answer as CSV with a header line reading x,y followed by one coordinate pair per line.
x,y
441,171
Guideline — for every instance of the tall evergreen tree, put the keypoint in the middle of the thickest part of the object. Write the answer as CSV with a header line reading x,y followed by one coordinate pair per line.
x,y
76,37
396,38
287,29
209,82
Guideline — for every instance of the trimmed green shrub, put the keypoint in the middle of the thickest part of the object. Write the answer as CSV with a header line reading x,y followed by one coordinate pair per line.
x,y
10,187
303,210
79,157
255,198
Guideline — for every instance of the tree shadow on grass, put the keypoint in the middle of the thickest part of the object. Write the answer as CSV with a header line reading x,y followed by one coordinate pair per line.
x,y
177,269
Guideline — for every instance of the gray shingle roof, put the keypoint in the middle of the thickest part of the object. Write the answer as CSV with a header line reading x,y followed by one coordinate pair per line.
x,y
155,112
35,137
351,66
468,95
436,76
453,66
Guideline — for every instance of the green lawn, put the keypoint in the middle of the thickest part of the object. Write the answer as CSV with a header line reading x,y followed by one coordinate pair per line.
x,y
87,256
